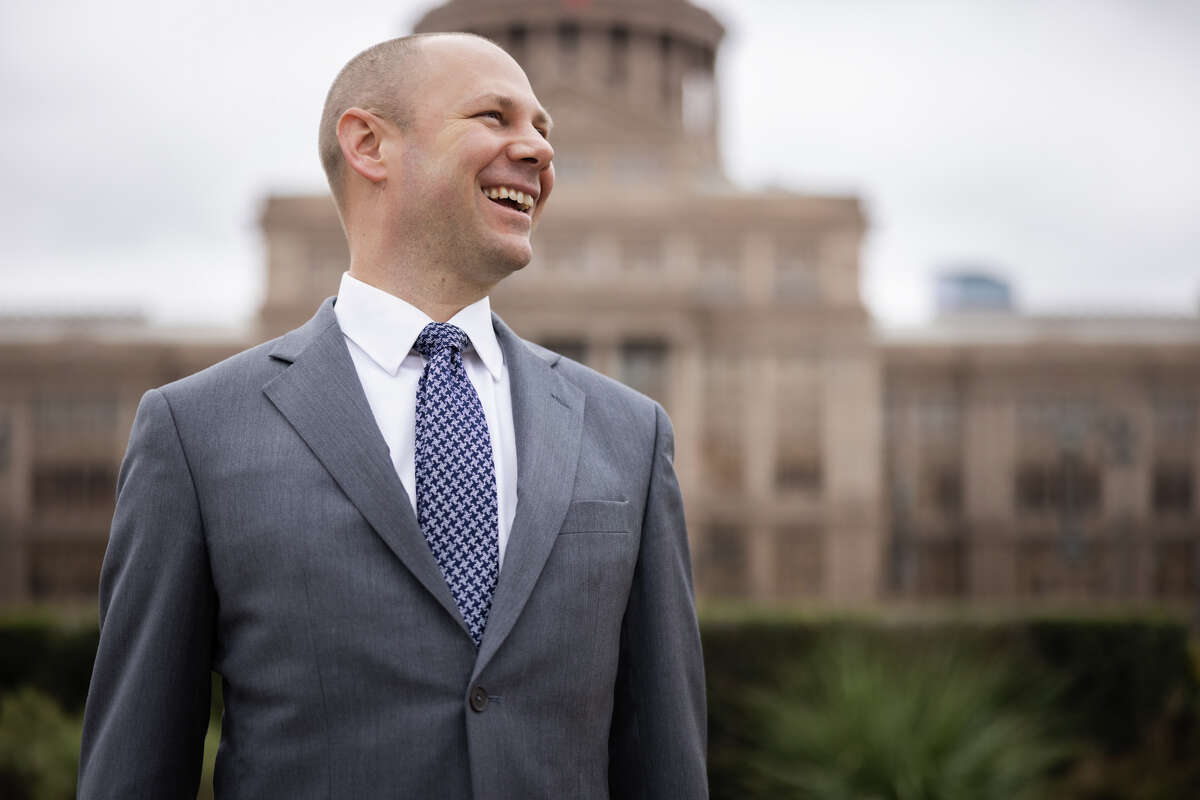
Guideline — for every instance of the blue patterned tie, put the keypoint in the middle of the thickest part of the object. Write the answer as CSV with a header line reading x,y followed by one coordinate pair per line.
x,y
456,477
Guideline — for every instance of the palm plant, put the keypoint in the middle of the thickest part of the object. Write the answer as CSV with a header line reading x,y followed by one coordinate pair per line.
x,y
872,722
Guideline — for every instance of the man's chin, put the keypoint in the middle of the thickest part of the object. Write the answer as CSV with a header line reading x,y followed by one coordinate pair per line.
x,y
512,256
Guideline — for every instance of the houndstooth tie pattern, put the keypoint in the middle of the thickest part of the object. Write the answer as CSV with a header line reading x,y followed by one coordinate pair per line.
x,y
456,477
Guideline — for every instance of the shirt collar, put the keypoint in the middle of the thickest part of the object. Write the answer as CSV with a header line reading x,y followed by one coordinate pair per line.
x,y
385,327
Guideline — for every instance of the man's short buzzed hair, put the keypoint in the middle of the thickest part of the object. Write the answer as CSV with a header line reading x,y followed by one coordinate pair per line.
x,y
374,80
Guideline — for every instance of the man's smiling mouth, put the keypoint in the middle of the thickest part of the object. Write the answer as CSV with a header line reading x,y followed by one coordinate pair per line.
x,y
512,198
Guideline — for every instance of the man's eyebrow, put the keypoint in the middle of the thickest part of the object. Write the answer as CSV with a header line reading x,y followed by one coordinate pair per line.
x,y
541,117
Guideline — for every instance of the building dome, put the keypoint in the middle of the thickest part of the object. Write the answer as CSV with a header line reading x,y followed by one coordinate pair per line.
x,y
630,83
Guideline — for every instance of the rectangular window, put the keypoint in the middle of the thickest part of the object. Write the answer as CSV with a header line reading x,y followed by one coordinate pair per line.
x,y
799,561
943,488
1069,485
1033,488
618,54
723,566
74,411
666,85
1176,572
6,438
1175,416
558,254
642,253
939,567
644,366
66,570
568,39
798,472
1173,489
796,270
1037,567
59,488
517,36
572,348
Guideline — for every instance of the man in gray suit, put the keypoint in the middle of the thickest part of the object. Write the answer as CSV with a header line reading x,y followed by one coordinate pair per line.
x,y
427,558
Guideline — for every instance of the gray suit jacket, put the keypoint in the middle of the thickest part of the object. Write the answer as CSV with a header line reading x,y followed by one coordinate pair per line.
x,y
262,532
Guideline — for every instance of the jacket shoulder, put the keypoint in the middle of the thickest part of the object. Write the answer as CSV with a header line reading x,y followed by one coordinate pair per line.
x,y
592,382
251,367
608,400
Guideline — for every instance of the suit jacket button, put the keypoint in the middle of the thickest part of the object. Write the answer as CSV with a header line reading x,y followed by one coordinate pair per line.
x,y
479,698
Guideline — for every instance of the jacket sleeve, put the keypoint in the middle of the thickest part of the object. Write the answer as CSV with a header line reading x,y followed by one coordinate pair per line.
x,y
148,704
658,737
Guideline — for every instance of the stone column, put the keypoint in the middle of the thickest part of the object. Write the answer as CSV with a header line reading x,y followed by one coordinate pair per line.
x,y
593,58
1127,487
757,268
1195,512
687,412
761,373
602,255
989,467
837,267
16,507
682,264
902,492
645,70
852,455
541,55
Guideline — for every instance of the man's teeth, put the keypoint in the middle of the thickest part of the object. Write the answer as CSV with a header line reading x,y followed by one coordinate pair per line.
x,y
504,193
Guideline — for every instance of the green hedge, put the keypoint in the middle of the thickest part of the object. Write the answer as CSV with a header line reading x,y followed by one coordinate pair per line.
x,y
1119,676
1104,694
43,653
1063,707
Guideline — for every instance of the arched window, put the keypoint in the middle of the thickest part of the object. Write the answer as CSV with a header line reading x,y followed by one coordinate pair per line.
x,y
618,54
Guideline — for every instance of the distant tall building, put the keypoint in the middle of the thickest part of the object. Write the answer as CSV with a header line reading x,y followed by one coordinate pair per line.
x,y
984,458
966,291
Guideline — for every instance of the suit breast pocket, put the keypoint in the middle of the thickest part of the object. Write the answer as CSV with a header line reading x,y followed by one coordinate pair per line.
x,y
598,516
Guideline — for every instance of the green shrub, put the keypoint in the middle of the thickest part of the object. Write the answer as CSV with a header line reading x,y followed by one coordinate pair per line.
x,y
39,748
49,655
1120,675
1124,690
868,721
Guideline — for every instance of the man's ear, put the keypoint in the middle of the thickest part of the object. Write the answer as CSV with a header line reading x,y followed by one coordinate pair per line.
x,y
360,135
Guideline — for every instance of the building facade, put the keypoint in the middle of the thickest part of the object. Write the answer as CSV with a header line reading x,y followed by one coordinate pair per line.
x,y
821,462
69,389
1044,459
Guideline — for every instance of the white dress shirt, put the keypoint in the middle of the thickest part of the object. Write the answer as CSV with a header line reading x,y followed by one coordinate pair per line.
x,y
380,330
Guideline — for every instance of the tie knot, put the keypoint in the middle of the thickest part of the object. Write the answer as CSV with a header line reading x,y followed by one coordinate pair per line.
x,y
438,336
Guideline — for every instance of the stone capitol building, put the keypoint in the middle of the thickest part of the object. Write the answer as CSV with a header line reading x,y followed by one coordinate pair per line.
x,y
987,458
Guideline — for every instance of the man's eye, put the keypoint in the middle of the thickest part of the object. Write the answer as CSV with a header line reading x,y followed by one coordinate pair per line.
x,y
493,114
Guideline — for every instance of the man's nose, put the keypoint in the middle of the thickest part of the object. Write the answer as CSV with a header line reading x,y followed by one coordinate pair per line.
x,y
532,148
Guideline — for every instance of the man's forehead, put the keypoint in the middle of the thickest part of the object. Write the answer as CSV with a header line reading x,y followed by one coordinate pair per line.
x,y
456,50
476,71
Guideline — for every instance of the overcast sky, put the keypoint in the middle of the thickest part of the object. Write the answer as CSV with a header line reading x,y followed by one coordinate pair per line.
x,y
1055,143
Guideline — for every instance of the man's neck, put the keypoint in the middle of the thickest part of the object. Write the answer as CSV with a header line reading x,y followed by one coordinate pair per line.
x,y
437,295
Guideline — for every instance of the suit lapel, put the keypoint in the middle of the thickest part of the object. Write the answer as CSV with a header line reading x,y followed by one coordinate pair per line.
x,y
548,423
321,397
